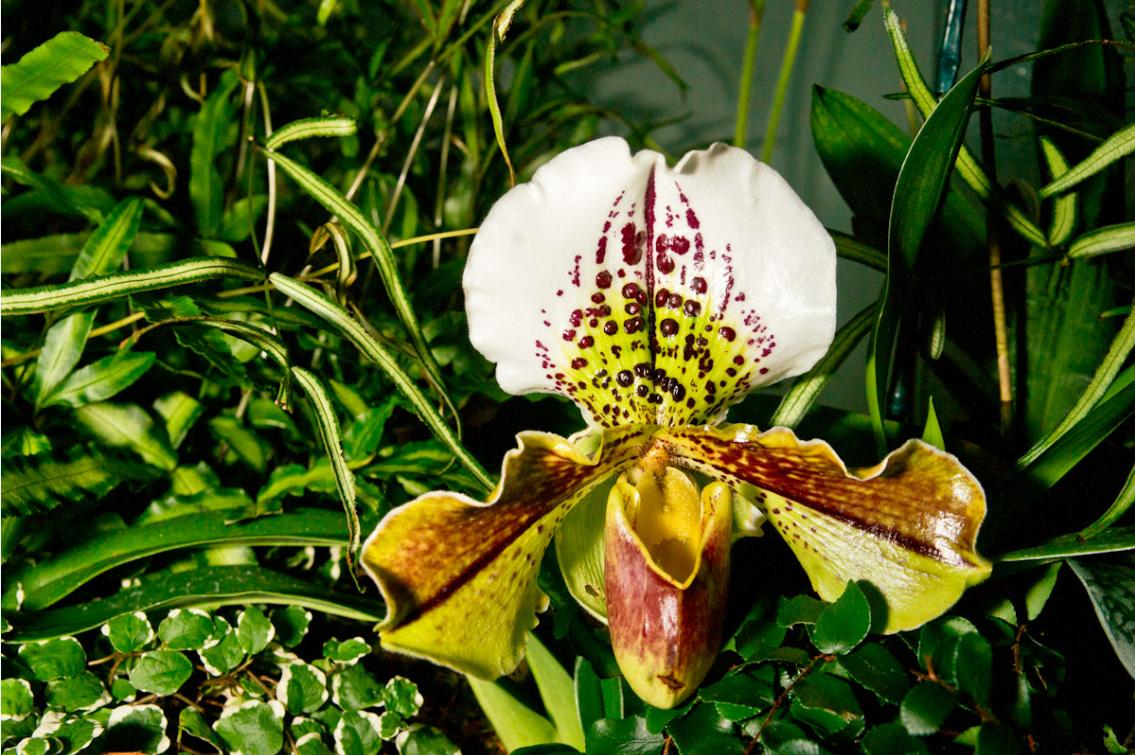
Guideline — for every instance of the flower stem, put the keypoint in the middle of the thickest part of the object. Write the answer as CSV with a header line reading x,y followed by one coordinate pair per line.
x,y
782,80
748,63
993,233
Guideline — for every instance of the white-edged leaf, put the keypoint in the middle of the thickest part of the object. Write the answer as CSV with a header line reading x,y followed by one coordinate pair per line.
x,y
306,128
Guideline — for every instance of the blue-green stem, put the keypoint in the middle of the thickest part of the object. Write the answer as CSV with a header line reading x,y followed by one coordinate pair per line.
x,y
785,76
748,63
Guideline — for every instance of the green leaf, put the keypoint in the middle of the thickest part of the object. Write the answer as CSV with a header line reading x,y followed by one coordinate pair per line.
x,y
101,380
53,579
103,288
254,630
843,624
1065,209
1038,594
996,739
890,738
347,651
186,630
54,197
627,736
253,728
206,586
129,633
223,652
353,688
1117,146
556,692
291,623
39,73
877,669
704,729
1103,240
932,433
799,609
1102,380
84,691
189,720
826,703
515,723
331,438
180,412
358,733
807,388
41,482
426,740
211,136
55,254
925,708
306,128
921,184
128,426
401,697
973,668
161,672
1110,583
136,728
239,221
1076,544
62,348
302,688
379,249
335,315
1117,509
16,699
54,659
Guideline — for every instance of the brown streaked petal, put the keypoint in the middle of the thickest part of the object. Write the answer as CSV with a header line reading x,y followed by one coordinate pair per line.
x,y
909,524
459,576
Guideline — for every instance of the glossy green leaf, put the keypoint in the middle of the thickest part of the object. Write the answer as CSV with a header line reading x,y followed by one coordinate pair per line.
x,y
968,168
1065,209
207,586
16,699
1117,509
213,132
253,630
557,692
56,578
1110,582
190,629
843,624
252,727
84,293
378,247
54,659
887,739
53,196
973,668
242,441
101,380
515,723
354,687
44,481
1116,147
1076,544
807,388
335,315
932,433
1038,594
161,672
84,691
739,696
101,254
1104,240
128,426
306,128
39,73
329,434
922,181
877,669
851,248
239,221
55,254
180,412
825,702
627,736
129,633
704,729
302,688
1058,459
925,708
1102,380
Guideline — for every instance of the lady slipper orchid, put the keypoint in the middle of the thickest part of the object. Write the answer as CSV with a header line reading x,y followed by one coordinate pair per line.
x,y
654,298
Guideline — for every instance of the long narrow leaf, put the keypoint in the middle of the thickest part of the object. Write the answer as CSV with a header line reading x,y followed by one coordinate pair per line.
x,y
500,28
921,183
103,252
333,314
84,293
1116,147
807,388
1109,238
210,134
557,691
851,248
335,203
1103,379
34,484
968,167
54,579
210,586
515,723
1075,544
307,128
1117,509
1066,208
58,61
332,440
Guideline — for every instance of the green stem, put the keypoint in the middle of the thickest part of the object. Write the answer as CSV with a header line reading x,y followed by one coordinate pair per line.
x,y
782,80
748,63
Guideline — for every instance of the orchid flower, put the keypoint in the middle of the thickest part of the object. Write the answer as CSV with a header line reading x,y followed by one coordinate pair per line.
x,y
654,298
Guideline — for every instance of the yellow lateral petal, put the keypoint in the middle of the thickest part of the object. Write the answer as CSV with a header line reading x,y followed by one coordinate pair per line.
x,y
459,576
909,525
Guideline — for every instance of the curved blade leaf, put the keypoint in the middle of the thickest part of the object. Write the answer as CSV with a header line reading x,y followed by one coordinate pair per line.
x,y
58,61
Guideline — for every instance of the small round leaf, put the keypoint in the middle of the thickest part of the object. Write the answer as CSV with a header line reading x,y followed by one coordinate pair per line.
x,y
161,672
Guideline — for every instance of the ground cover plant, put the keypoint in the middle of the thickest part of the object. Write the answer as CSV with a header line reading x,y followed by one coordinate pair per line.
x,y
235,340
